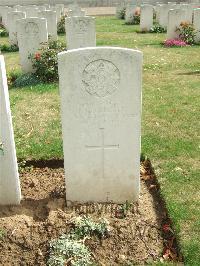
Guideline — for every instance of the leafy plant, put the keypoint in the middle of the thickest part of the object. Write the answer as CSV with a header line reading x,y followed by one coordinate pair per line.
x,y
9,48
71,248
67,250
157,29
28,79
2,233
1,153
3,31
61,25
45,61
84,226
186,32
135,19
120,14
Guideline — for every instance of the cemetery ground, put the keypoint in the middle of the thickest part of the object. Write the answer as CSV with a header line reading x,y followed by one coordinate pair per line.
x,y
170,121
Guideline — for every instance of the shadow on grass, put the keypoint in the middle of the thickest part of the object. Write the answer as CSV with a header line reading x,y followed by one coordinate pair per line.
x,y
171,248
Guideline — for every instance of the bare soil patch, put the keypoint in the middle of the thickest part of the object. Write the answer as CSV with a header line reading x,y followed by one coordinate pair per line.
x,y
136,236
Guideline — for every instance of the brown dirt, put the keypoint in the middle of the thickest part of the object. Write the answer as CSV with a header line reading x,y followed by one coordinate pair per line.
x,y
43,215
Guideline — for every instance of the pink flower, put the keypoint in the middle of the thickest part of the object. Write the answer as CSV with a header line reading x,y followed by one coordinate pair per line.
x,y
174,42
37,56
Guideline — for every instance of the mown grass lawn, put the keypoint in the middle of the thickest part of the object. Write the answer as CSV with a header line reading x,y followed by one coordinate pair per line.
x,y
170,122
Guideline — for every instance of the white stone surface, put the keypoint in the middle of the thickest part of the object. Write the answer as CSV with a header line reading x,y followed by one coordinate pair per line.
x,y
10,192
51,18
175,17
76,12
31,12
196,24
80,32
100,92
4,14
12,26
188,12
146,17
31,33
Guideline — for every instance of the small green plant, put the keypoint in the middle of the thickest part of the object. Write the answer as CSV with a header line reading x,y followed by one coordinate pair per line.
x,y
9,48
2,233
1,153
3,31
12,76
45,61
23,80
120,14
61,25
69,251
84,227
135,19
157,29
186,33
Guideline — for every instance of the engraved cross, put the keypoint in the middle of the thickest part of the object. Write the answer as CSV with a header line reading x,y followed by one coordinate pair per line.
x,y
103,147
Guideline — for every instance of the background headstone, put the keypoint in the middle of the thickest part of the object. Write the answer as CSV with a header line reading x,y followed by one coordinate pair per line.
x,y
146,17
175,17
80,32
31,34
101,115
197,24
12,25
10,192
51,18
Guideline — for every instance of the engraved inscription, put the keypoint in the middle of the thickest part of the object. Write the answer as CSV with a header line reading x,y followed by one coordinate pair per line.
x,y
32,28
81,26
101,78
102,148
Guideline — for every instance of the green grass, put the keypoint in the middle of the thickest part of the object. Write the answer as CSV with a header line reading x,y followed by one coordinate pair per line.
x,y
170,122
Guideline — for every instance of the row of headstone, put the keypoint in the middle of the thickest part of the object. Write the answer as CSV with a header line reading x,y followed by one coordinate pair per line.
x,y
169,16
101,117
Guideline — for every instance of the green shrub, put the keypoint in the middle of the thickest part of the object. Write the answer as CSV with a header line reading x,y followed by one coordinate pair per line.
x,y
61,25
135,19
68,249
3,31
45,61
157,29
84,226
28,79
12,76
71,249
187,33
9,48
120,14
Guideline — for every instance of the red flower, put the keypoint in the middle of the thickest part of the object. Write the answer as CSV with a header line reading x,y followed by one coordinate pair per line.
x,y
166,228
37,56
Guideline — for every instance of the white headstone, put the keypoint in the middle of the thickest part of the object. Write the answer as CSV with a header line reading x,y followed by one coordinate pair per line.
x,y
188,12
80,32
175,17
146,17
101,115
31,12
4,13
196,24
31,34
12,20
163,15
10,192
51,22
